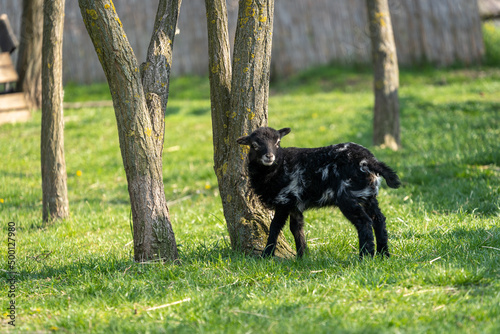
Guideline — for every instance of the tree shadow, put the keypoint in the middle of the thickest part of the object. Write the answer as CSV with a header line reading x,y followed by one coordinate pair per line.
x,y
448,188
199,111
461,248
172,111
457,246
99,266
22,201
458,168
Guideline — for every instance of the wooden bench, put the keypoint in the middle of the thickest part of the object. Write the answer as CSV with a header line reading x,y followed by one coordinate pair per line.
x,y
13,105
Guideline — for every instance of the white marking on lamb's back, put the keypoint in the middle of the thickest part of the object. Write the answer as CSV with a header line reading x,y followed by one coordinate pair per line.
x,y
377,181
344,184
343,148
326,197
324,174
335,171
363,166
371,190
294,188
364,193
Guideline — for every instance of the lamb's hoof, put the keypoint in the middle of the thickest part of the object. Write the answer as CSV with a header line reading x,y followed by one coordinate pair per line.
x,y
364,253
385,254
268,252
384,251
301,252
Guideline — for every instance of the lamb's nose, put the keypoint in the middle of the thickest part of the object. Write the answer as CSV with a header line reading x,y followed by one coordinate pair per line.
x,y
270,155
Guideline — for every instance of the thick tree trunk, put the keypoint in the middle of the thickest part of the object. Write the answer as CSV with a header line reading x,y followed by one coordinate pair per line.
x,y
386,82
29,61
139,114
55,193
239,106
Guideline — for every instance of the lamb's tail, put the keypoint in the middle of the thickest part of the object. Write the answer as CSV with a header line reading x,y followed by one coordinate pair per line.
x,y
387,172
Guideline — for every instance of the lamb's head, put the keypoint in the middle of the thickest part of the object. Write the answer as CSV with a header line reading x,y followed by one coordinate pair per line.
x,y
264,144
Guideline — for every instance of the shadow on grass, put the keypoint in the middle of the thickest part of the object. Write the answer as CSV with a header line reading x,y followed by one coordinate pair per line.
x,y
471,252
449,188
453,164
98,266
453,257
199,111
172,110
447,238
97,202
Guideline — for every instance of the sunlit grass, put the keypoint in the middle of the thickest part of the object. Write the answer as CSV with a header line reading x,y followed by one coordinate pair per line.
x,y
78,275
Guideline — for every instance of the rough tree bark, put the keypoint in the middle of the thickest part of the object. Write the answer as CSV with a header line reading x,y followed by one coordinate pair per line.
x,y
29,61
386,76
239,96
55,193
139,99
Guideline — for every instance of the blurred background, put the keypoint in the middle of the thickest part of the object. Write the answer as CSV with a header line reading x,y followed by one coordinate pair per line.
x,y
307,33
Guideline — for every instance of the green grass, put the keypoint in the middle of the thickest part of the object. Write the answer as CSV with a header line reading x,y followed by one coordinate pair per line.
x,y
444,276
491,35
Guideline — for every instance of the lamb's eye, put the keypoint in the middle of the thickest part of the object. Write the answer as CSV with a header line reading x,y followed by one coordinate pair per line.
x,y
255,146
278,143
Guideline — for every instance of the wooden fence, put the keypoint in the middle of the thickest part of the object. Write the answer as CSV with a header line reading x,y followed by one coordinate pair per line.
x,y
306,33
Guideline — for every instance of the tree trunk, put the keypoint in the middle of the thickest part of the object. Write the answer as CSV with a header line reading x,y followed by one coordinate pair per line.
x,y
386,82
55,193
29,62
239,106
139,111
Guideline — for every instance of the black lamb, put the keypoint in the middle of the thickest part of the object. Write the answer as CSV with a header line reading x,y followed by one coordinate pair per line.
x,y
291,180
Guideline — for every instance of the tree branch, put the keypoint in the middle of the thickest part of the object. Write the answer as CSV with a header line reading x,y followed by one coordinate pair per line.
x,y
156,69
219,64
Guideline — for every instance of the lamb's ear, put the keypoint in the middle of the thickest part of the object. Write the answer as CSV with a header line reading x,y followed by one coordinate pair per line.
x,y
243,140
283,132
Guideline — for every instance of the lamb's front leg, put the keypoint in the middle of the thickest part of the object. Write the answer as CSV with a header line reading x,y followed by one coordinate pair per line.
x,y
297,228
279,220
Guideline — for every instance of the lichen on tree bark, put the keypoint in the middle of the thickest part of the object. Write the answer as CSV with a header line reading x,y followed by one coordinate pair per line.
x,y
139,96
239,96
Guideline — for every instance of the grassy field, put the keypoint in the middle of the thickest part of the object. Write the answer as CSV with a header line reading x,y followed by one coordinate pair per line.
x,y
78,275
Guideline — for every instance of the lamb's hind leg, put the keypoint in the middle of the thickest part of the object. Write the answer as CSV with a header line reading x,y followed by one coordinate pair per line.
x,y
353,211
373,210
279,220
297,228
